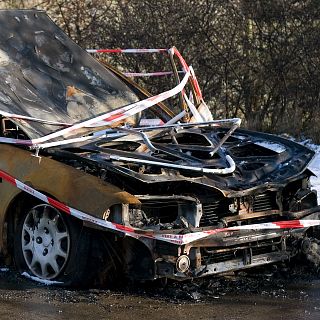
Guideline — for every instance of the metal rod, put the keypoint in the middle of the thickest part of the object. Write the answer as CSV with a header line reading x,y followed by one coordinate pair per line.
x,y
144,137
232,165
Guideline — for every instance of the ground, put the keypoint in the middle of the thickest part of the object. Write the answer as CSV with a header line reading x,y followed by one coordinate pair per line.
x,y
269,294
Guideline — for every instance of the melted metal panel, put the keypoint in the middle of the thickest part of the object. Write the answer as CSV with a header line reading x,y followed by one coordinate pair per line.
x,y
44,74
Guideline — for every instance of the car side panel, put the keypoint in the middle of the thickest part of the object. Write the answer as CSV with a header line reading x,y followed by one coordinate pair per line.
x,y
73,187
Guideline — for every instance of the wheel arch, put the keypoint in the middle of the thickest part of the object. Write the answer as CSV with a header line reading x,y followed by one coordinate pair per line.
x,y
137,259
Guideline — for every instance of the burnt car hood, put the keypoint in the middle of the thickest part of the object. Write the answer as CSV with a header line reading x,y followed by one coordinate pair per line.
x,y
261,160
44,74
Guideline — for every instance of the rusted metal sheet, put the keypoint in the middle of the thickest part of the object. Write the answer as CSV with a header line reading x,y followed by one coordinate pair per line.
x,y
71,186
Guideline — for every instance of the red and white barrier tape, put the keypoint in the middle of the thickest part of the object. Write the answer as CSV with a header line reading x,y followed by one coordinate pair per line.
x,y
126,50
174,51
21,117
148,74
110,117
145,124
187,69
178,239
121,113
107,118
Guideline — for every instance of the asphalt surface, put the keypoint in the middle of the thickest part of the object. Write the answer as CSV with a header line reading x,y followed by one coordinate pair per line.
x,y
267,295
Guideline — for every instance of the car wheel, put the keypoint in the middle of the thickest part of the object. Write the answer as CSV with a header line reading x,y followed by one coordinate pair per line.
x,y
53,246
45,241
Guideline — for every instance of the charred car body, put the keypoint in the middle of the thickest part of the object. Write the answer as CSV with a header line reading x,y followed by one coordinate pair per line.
x,y
178,200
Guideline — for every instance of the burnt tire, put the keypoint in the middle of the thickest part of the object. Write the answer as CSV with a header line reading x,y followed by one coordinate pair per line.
x,y
53,246
311,249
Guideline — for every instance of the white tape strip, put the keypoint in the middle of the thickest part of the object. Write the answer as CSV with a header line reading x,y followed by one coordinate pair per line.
x,y
17,116
126,50
148,74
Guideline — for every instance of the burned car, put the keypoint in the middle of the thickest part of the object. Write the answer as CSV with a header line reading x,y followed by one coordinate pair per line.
x,y
89,194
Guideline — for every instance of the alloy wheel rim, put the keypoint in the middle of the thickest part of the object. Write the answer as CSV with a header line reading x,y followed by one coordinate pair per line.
x,y
45,241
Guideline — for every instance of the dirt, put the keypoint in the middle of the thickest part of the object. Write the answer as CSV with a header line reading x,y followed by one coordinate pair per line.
x,y
273,293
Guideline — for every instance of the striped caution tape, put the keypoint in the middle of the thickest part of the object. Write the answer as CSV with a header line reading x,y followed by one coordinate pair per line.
x,y
106,118
126,50
112,116
121,113
22,117
148,74
178,239
174,51
188,69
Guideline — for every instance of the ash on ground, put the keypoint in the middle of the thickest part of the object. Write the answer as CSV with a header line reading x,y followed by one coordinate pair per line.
x,y
270,281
